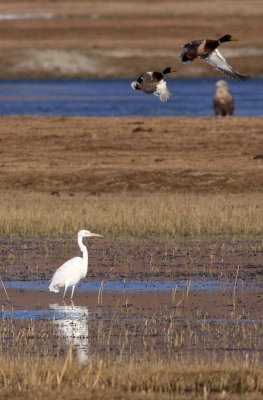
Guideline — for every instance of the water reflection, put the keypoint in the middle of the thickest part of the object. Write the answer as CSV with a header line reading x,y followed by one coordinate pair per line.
x,y
71,323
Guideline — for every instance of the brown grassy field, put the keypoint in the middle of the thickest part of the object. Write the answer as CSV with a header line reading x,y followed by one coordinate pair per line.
x,y
135,176
156,179
125,37
134,154
205,175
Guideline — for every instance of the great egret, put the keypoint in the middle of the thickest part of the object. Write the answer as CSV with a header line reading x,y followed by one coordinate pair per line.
x,y
153,82
207,50
70,273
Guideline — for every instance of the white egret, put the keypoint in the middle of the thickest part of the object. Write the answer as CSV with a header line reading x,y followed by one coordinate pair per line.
x,y
70,273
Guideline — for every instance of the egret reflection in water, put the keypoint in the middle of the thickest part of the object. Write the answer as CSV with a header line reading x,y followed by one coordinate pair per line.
x,y
71,323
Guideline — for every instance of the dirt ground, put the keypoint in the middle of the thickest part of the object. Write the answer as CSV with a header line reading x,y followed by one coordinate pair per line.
x,y
95,155
123,38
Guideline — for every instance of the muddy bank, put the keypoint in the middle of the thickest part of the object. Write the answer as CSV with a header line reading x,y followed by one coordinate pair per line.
x,y
99,154
137,258
189,322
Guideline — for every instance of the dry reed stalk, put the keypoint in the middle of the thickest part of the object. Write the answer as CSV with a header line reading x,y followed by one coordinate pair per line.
x,y
4,289
68,361
100,294
130,377
235,285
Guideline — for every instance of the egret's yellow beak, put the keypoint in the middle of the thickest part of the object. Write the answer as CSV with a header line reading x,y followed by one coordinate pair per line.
x,y
96,235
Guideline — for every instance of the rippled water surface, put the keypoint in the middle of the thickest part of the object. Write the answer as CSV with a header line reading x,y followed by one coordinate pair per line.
x,y
113,97
125,285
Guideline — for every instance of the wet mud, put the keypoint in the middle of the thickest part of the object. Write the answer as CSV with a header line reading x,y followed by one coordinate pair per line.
x,y
189,297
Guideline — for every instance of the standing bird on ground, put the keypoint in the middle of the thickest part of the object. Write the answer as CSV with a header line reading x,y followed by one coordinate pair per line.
x,y
207,50
70,273
153,82
223,100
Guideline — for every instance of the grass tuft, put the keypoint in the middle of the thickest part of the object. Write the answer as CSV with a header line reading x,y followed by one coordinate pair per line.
x,y
127,377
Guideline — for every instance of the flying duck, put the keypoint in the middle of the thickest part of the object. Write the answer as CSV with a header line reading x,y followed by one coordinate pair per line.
x,y
207,50
223,100
153,82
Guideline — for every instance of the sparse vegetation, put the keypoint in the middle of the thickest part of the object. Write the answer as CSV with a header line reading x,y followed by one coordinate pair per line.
x,y
132,214
164,181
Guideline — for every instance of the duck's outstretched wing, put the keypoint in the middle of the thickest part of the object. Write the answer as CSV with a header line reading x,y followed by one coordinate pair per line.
x,y
147,82
216,59
189,51
162,91
151,82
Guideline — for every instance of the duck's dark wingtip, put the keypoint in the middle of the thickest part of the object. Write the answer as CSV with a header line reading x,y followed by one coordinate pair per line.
x,y
240,77
183,58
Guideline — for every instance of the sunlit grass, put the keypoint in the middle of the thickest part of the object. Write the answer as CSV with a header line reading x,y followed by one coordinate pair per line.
x,y
128,377
131,214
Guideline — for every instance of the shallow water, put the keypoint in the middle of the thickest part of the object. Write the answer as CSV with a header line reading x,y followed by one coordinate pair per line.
x,y
71,312
111,97
126,285
154,326
187,307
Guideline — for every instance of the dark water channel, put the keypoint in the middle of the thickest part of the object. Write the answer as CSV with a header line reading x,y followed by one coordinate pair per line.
x,y
111,97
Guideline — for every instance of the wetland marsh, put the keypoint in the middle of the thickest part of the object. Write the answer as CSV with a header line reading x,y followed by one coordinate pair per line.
x,y
172,304
176,280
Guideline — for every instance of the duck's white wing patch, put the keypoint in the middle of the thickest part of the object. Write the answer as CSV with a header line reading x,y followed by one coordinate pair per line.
x,y
162,91
134,85
216,59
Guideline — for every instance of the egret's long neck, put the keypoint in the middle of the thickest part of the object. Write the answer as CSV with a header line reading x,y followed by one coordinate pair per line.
x,y
84,251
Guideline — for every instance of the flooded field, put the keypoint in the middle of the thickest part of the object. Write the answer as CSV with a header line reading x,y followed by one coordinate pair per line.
x,y
172,303
190,298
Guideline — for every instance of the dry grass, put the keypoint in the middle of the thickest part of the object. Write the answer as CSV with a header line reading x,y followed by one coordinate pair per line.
x,y
128,378
132,214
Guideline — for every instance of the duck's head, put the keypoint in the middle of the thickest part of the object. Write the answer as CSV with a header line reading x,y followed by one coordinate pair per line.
x,y
228,38
168,70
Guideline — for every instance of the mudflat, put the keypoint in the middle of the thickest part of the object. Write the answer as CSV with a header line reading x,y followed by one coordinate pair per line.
x,y
106,155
